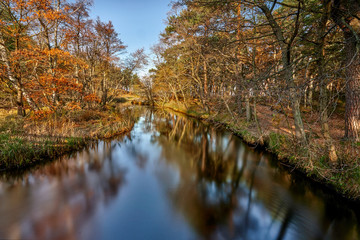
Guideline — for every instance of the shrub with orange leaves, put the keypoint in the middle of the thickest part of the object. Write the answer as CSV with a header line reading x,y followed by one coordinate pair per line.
x,y
92,98
41,114
73,106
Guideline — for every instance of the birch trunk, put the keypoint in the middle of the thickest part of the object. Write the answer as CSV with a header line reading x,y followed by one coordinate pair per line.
x,y
12,79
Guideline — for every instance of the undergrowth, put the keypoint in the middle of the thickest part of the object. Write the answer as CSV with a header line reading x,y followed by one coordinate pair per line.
x,y
19,151
311,158
26,141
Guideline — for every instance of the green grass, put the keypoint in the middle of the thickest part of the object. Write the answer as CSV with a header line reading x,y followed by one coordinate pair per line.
x,y
18,152
276,141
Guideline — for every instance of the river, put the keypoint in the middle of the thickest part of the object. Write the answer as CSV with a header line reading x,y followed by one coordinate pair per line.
x,y
171,177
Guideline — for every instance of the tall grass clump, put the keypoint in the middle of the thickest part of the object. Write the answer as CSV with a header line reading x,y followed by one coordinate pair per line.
x,y
19,152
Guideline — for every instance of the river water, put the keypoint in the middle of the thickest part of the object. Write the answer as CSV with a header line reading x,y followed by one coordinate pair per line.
x,y
171,177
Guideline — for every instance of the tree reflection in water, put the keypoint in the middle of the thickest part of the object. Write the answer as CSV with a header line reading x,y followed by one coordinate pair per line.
x,y
229,191
54,201
170,178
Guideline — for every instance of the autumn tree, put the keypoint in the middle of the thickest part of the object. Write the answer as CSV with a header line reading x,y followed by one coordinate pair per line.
x,y
16,18
79,35
109,47
52,54
136,61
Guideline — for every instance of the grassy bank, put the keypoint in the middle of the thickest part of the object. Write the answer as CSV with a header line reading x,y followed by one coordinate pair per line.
x,y
19,151
27,141
310,159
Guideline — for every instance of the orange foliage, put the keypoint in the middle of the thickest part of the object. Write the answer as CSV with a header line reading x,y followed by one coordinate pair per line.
x,y
73,106
41,114
48,47
92,98
43,78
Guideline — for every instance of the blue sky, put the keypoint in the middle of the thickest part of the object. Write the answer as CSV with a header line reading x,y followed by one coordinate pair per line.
x,y
139,22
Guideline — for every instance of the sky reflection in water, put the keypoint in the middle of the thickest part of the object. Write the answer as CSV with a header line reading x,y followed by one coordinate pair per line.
x,y
170,178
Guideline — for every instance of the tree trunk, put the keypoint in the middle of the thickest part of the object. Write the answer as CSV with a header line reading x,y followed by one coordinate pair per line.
x,y
104,91
14,81
248,108
239,67
205,81
20,104
261,139
352,95
323,82
310,94
104,98
299,125
343,13
288,69
294,98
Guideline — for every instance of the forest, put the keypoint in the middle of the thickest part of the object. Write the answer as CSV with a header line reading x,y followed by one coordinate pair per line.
x,y
281,74
236,119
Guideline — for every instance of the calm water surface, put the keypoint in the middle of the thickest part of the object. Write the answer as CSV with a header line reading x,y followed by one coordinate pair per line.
x,y
170,178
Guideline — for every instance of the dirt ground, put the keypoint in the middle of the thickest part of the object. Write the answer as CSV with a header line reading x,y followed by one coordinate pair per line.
x,y
274,121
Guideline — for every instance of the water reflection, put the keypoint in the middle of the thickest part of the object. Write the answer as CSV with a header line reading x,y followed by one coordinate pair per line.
x,y
170,178
54,201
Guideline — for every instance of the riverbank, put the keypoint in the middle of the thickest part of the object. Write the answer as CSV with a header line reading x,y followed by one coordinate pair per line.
x,y
25,142
274,133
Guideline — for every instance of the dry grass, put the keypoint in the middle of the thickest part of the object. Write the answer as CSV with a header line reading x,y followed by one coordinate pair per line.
x,y
89,124
24,142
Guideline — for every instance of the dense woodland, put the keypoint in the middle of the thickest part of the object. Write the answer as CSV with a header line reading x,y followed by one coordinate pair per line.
x,y
283,75
53,56
296,60
301,57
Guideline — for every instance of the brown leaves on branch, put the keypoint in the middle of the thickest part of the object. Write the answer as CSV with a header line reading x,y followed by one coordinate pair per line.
x,y
54,55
